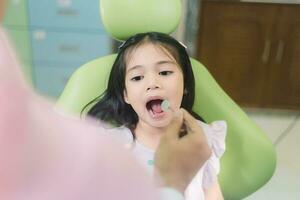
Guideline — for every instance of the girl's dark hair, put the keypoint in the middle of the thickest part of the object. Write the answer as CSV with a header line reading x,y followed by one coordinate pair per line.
x,y
111,107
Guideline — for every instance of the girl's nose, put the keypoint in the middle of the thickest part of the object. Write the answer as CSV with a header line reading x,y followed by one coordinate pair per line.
x,y
153,83
152,87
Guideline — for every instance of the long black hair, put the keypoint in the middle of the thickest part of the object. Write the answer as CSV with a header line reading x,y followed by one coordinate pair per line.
x,y
111,106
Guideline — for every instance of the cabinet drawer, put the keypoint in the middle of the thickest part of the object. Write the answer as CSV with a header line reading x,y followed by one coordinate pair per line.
x,y
16,13
65,14
51,79
69,47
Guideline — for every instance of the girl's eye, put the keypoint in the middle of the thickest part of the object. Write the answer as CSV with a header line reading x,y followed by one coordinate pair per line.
x,y
165,73
137,78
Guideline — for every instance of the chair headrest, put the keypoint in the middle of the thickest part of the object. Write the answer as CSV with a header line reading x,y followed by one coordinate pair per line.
x,y
124,18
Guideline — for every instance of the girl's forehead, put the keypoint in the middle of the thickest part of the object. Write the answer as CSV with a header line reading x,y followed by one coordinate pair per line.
x,y
148,51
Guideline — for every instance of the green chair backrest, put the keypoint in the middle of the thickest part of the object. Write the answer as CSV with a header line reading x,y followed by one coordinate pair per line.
x,y
250,159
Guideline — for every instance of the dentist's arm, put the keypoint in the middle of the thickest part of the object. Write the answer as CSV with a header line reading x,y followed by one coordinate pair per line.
x,y
177,160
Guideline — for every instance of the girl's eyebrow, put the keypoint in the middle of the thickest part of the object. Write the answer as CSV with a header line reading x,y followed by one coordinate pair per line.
x,y
165,62
134,67
158,63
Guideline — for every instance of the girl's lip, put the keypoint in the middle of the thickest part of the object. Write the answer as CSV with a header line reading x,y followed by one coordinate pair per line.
x,y
154,98
156,116
151,98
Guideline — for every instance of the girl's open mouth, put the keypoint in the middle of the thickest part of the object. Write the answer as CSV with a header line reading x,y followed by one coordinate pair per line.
x,y
154,108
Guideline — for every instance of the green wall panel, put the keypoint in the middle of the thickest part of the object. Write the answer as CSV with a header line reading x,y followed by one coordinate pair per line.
x,y
16,13
21,42
16,24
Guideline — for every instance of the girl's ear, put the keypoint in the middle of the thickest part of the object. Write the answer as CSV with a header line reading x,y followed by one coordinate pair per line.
x,y
125,97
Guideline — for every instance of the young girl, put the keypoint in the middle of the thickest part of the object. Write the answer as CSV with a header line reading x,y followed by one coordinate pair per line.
x,y
149,68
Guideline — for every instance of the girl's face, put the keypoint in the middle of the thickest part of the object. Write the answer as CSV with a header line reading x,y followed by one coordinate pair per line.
x,y
152,75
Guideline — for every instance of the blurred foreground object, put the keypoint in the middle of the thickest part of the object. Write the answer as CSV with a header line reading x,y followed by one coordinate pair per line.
x,y
44,155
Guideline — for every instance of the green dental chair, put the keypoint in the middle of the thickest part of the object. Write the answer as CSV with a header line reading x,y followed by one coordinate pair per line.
x,y
249,160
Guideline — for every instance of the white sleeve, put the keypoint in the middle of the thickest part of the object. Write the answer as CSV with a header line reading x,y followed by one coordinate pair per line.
x,y
216,138
167,193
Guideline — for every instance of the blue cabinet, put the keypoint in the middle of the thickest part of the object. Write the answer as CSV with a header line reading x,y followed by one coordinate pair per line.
x,y
65,14
64,35
55,37
50,79
68,46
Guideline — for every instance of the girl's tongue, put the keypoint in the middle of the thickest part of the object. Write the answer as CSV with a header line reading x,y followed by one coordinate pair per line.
x,y
155,106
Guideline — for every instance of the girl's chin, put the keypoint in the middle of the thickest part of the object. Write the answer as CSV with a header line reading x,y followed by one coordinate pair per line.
x,y
160,123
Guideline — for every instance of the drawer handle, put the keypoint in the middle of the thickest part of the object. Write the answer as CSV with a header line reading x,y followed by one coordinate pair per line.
x,y
266,52
280,51
69,48
67,12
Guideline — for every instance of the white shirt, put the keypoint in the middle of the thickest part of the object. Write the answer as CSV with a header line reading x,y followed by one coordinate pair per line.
x,y
207,174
